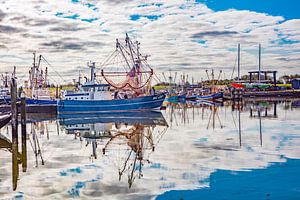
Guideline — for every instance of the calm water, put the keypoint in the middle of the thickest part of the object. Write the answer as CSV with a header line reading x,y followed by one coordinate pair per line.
x,y
203,151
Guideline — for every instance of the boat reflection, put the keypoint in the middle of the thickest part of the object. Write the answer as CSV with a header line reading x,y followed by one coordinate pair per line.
x,y
128,137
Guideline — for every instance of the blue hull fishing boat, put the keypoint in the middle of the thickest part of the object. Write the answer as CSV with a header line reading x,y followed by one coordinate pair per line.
x,y
133,93
144,103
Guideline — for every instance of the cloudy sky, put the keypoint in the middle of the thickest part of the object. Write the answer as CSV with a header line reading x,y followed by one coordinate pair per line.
x,y
185,36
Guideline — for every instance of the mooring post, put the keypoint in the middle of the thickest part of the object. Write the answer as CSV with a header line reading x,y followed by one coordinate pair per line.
x,y
23,131
14,129
14,112
56,92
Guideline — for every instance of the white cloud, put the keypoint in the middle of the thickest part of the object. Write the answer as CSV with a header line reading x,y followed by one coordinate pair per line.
x,y
30,25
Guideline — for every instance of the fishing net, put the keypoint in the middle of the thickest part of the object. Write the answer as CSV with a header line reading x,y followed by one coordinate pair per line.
x,y
126,68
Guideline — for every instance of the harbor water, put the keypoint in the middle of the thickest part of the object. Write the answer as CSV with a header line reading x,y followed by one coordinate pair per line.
x,y
203,150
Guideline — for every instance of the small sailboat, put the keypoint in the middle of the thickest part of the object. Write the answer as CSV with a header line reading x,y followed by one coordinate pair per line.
x,y
133,93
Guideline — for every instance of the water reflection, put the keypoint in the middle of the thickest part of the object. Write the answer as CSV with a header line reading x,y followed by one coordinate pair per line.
x,y
143,155
17,157
131,135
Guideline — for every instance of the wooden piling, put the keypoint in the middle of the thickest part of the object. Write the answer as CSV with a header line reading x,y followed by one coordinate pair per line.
x,y
14,128
14,111
57,92
23,132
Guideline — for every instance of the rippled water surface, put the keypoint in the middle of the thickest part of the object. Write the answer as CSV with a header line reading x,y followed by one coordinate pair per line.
x,y
188,151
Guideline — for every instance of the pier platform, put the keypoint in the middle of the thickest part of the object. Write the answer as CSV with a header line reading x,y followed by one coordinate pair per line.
x,y
272,93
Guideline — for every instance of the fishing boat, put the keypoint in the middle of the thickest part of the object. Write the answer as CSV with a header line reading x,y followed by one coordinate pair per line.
x,y
36,88
218,95
132,93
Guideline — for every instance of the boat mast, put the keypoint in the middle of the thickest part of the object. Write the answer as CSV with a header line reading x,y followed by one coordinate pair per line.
x,y
259,57
46,76
33,78
118,45
92,66
127,40
239,62
138,62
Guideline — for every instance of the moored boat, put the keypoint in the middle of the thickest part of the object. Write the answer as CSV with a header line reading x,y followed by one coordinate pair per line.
x,y
142,103
213,96
133,94
36,88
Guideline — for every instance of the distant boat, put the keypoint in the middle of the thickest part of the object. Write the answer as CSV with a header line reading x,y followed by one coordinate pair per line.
x,y
5,89
36,90
4,95
237,85
250,85
213,96
132,94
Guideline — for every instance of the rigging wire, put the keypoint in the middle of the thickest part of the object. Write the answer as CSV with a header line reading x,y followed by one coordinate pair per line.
x,y
233,68
53,69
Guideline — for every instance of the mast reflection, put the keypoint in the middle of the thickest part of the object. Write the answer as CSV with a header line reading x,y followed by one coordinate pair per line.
x,y
128,137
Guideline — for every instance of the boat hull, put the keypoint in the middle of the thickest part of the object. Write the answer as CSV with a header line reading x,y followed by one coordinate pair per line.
x,y
152,102
41,102
30,101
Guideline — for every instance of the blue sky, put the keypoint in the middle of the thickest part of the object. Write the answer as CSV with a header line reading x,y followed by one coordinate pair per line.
x,y
289,9
181,35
